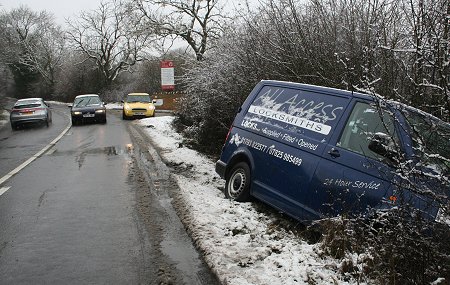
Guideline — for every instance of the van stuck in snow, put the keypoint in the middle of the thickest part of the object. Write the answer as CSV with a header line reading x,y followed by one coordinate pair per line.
x,y
315,152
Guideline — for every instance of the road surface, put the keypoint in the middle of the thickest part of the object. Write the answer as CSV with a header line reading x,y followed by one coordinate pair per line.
x,y
95,208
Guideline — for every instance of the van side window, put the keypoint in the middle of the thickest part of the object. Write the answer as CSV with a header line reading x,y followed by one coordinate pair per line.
x,y
364,122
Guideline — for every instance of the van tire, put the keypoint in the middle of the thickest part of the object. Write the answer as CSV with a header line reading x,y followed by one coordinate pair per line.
x,y
237,186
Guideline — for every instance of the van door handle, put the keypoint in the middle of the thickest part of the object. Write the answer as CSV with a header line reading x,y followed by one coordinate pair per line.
x,y
334,152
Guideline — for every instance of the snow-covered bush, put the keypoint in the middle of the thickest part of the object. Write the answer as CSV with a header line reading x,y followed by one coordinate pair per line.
x,y
215,88
359,45
365,44
390,248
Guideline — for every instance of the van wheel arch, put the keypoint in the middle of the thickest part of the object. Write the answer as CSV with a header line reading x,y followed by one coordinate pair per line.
x,y
235,160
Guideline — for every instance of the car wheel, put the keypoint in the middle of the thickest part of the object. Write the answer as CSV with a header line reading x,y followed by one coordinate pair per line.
x,y
124,117
237,186
13,126
74,122
104,121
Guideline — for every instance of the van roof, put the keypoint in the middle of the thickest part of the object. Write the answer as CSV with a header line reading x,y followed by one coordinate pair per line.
x,y
346,93
321,89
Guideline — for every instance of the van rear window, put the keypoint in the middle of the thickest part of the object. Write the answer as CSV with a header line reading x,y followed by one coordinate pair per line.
x,y
296,110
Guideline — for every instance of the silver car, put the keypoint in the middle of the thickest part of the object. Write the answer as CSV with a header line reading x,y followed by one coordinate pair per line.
x,y
30,110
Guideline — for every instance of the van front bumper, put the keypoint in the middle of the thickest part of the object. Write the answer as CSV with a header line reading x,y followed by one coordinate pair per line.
x,y
221,168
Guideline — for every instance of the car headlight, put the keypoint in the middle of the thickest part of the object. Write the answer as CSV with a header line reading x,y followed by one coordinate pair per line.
x,y
151,107
126,107
101,111
77,113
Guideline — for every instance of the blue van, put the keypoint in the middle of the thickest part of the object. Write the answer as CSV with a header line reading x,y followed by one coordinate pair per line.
x,y
315,152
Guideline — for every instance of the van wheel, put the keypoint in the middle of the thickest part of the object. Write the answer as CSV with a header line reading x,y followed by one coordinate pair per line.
x,y
237,186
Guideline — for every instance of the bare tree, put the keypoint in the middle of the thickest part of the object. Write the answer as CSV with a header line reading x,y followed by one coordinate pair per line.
x,y
77,75
110,38
197,22
429,51
32,46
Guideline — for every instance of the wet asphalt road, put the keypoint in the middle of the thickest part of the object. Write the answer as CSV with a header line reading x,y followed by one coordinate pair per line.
x,y
94,209
17,146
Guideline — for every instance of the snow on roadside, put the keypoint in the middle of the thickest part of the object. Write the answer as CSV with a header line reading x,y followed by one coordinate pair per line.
x,y
114,106
4,114
239,243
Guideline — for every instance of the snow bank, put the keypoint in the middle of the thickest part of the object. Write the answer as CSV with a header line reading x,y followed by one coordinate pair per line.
x,y
242,245
5,116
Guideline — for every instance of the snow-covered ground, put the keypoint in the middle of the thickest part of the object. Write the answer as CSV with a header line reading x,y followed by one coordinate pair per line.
x,y
242,245
114,106
4,117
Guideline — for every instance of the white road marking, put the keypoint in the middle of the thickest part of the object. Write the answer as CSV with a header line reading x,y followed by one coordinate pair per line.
x,y
31,159
3,190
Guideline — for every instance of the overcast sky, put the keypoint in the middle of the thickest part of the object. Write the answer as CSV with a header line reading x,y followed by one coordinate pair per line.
x,y
61,9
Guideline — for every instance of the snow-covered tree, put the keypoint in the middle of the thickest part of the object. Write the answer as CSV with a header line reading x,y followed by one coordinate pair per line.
x,y
32,47
110,37
196,22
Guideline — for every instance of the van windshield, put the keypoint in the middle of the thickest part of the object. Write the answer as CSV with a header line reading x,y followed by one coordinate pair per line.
x,y
431,139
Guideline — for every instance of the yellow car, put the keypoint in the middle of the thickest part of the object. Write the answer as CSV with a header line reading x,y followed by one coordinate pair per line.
x,y
138,105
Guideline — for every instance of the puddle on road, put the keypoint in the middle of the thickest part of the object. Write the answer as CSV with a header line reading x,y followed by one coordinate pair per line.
x,y
109,151
80,155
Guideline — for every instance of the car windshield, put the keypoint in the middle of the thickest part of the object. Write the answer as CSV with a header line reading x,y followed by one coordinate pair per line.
x,y
27,104
431,139
138,98
86,101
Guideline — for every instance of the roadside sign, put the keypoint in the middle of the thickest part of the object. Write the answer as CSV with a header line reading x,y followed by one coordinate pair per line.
x,y
167,75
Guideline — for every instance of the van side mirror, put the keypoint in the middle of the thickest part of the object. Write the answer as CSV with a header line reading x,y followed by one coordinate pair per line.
x,y
70,105
384,145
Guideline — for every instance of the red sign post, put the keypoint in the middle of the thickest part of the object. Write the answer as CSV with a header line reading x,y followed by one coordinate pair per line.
x,y
167,75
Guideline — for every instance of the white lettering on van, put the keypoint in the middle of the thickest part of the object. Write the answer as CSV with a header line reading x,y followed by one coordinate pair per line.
x,y
250,125
292,120
275,152
352,184
298,106
288,138
308,145
272,150
271,133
